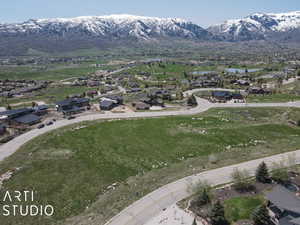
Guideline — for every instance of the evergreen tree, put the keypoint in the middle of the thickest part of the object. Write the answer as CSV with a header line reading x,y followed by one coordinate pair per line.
x,y
262,173
261,216
192,101
194,222
203,198
217,216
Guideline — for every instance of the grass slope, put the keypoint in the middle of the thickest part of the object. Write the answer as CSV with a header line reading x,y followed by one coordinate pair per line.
x,y
72,168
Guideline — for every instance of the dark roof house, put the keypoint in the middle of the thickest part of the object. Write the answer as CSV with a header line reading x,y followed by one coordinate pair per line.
x,y
107,104
10,114
28,119
285,205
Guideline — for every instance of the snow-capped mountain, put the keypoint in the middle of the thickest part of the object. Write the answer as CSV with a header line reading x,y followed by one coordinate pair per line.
x,y
108,27
103,32
259,26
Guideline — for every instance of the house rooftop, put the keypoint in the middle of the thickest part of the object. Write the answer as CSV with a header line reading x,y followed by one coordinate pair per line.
x,y
70,101
284,199
27,119
15,112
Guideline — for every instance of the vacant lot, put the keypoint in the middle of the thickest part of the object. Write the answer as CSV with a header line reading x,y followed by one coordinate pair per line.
x,y
273,98
45,73
73,167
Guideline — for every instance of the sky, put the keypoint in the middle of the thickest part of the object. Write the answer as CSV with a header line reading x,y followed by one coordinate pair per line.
x,y
202,12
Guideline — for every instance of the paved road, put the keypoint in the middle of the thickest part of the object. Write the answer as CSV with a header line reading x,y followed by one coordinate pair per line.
x,y
193,91
154,203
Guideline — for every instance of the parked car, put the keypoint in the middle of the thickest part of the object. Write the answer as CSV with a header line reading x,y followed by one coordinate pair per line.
x,y
41,126
71,117
49,123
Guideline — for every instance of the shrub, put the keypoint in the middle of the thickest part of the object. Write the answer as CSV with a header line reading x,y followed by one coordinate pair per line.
x,y
280,173
203,192
241,181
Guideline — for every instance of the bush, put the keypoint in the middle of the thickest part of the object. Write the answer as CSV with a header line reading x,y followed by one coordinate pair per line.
x,y
241,181
280,173
203,192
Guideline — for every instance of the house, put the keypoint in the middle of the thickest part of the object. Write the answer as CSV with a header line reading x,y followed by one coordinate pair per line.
x,y
107,104
221,95
40,110
14,113
118,99
110,102
257,90
2,129
243,82
284,206
133,90
29,119
72,105
93,83
237,97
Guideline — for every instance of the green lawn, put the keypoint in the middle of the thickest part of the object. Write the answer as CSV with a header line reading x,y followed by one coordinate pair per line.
x,y
164,70
72,168
241,208
273,98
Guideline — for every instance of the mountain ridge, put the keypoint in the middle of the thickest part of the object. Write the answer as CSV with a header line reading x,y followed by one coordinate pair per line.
x,y
67,34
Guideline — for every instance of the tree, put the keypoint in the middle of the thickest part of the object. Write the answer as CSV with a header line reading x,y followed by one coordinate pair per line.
x,y
241,181
261,216
217,215
194,222
185,74
33,104
192,101
262,173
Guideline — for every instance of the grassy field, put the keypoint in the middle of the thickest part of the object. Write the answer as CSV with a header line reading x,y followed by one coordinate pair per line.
x,y
273,98
241,208
71,168
162,71
42,73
